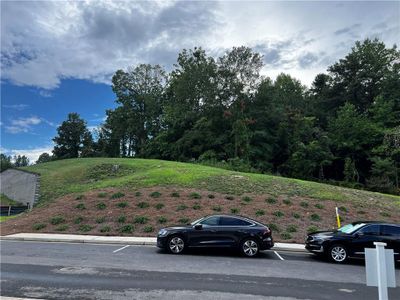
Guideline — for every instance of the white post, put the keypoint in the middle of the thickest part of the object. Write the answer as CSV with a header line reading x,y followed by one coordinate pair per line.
x,y
381,265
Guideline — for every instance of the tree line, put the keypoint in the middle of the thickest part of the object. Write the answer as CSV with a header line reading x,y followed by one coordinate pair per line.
x,y
344,129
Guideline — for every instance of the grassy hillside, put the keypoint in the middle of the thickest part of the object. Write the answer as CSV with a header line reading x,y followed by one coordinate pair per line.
x,y
91,196
80,175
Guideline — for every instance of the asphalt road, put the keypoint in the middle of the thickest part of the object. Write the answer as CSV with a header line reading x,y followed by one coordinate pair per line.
x,y
87,271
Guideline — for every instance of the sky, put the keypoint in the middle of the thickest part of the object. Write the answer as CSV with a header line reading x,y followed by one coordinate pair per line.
x,y
59,56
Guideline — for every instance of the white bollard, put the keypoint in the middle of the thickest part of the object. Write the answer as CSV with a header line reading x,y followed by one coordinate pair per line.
x,y
381,266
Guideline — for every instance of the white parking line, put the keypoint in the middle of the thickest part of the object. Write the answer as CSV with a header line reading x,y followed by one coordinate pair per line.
x,y
277,254
122,248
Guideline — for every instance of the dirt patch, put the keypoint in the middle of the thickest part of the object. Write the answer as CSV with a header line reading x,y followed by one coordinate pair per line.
x,y
143,212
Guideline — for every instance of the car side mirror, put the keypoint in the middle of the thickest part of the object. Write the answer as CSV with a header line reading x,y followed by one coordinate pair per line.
x,y
198,226
358,234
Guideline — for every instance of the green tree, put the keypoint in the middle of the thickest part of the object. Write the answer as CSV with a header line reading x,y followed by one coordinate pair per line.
x,y
72,133
5,162
43,158
21,161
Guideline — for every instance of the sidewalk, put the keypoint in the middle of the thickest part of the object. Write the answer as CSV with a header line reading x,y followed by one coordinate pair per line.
x,y
126,240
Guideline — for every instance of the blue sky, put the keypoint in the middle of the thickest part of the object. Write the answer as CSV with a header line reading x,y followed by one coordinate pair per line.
x,y
58,56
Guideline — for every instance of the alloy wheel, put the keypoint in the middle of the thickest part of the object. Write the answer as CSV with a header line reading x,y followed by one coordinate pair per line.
x,y
176,245
338,253
250,248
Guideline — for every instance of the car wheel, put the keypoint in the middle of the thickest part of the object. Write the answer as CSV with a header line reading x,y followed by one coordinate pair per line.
x,y
249,247
338,253
176,245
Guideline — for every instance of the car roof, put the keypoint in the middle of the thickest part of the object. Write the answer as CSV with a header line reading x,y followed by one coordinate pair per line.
x,y
375,222
236,216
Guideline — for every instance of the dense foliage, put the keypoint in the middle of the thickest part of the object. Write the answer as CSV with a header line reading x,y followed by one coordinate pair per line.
x,y
344,129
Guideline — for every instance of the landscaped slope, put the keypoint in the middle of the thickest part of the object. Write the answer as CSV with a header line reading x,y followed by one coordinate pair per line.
x,y
137,197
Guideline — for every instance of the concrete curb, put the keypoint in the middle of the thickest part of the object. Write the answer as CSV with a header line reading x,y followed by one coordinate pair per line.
x,y
94,239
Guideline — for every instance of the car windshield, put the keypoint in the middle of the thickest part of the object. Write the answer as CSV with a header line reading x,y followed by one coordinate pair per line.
x,y
197,221
350,228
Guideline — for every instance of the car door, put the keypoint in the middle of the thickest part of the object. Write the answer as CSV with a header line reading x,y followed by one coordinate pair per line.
x,y
207,234
365,238
231,230
391,236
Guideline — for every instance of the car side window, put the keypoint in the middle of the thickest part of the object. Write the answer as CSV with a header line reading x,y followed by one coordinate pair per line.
x,y
391,230
228,221
211,221
370,230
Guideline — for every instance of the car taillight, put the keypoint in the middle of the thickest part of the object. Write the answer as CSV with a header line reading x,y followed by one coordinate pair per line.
x,y
267,231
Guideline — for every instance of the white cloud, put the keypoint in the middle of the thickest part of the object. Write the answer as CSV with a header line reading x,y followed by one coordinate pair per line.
x,y
22,124
33,153
16,106
43,42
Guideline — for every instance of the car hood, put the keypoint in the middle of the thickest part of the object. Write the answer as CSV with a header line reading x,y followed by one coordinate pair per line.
x,y
178,227
326,234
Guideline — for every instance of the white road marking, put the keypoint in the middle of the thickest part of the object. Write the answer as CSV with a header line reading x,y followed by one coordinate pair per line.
x,y
122,248
277,254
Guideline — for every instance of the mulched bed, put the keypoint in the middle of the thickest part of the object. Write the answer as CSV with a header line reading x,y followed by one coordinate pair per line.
x,y
289,215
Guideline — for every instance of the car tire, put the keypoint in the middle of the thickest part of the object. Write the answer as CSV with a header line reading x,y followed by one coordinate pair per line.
x,y
249,247
338,254
176,244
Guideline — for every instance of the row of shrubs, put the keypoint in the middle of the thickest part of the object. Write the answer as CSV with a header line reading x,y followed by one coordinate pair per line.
x,y
126,228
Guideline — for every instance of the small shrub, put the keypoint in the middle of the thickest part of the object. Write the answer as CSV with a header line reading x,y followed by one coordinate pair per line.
x,y
140,220
278,214
101,205
159,206
319,206
81,206
361,212
235,210
286,236
291,228
80,197
121,219
175,194
78,220
138,194
296,215
100,220
148,228
102,195
183,220
343,209
217,208
211,196
304,204
194,195
229,198
162,220
312,228
105,229
128,228
62,227
315,217
385,214
155,194
270,200
196,206
247,199
143,205
117,195
85,228
287,201
122,204
38,226
181,207
260,212
273,227
57,220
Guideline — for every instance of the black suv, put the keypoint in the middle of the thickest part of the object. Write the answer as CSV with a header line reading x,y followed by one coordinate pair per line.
x,y
247,235
351,240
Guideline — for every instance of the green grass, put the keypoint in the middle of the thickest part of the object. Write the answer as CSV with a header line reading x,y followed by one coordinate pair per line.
x,y
68,176
5,201
5,218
